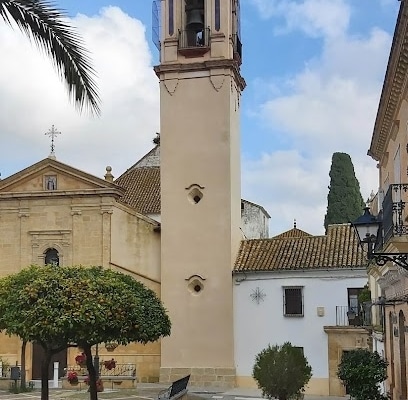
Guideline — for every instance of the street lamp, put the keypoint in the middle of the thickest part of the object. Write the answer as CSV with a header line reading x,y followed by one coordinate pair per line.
x,y
367,227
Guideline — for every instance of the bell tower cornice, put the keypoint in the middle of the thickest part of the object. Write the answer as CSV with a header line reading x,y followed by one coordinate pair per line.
x,y
200,66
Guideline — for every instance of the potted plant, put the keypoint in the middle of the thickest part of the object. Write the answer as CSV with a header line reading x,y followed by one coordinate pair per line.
x,y
80,359
72,377
99,384
365,295
109,364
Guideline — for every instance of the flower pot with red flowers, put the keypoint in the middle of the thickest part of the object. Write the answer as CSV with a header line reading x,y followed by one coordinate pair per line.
x,y
80,359
109,364
72,377
99,384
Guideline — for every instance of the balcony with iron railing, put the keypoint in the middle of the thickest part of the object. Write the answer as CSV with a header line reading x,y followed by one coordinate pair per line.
x,y
348,316
394,214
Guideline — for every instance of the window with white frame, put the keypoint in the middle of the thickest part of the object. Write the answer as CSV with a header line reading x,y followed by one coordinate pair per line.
x,y
293,301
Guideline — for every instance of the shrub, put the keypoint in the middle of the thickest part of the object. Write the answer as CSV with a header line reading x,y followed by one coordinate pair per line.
x,y
362,371
281,371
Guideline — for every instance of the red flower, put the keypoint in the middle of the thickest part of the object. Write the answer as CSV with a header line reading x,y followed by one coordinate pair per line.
x,y
80,359
72,377
110,364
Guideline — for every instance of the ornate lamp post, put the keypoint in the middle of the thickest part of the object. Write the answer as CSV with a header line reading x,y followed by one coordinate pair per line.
x,y
367,227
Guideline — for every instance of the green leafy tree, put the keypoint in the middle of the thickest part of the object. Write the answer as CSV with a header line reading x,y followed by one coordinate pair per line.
x,y
344,201
281,371
362,371
40,20
61,307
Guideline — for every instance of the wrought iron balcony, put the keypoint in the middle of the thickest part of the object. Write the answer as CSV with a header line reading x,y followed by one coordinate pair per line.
x,y
349,316
394,212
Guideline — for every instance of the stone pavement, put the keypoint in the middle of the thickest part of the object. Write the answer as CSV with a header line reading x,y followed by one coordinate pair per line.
x,y
229,394
149,391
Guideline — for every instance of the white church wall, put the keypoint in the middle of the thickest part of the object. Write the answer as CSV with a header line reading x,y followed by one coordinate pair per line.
x,y
257,325
254,221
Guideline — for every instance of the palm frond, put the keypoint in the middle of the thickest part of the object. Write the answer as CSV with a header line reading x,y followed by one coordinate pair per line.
x,y
43,21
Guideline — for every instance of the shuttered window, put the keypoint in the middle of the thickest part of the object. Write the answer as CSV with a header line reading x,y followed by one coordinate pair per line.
x,y
293,301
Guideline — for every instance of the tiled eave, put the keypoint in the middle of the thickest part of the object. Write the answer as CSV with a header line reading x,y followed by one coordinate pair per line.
x,y
394,85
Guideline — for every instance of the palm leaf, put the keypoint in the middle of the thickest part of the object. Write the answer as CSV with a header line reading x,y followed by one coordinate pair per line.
x,y
42,21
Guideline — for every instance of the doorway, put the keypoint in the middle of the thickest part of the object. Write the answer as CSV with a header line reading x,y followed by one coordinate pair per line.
x,y
38,357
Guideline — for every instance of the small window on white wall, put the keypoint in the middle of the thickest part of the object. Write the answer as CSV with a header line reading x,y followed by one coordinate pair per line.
x,y
293,301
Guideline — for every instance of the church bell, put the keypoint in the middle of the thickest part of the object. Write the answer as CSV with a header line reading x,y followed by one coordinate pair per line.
x,y
195,20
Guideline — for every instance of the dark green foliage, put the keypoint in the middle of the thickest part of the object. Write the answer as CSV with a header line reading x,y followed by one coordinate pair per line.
x,y
362,371
281,371
344,201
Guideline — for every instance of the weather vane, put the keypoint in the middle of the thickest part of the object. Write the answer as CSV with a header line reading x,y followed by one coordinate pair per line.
x,y
52,133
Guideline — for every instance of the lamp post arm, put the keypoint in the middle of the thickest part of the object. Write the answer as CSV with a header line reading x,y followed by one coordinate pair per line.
x,y
380,259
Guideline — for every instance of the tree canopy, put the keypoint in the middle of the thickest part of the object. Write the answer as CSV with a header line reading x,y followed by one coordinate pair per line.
x,y
281,371
362,371
344,201
80,306
45,24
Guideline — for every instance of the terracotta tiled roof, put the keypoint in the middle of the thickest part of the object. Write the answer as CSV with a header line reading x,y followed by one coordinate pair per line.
x,y
142,189
292,233
338,249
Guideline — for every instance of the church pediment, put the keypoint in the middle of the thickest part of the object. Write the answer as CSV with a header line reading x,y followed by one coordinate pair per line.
x,y
50,175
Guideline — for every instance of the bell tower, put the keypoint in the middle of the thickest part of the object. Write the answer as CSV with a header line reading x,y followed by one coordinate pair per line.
x,y
200,91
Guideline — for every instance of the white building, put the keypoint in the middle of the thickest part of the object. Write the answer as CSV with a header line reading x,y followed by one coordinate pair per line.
x,y
299,288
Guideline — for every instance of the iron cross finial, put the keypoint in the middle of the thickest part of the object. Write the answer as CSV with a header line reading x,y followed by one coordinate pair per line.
x,y
52,133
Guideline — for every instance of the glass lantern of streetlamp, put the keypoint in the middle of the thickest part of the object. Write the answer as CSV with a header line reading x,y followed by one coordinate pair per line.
x,y
366,226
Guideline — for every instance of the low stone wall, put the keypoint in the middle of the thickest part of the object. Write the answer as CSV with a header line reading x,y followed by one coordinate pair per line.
x,y
5,383
201,377
109,382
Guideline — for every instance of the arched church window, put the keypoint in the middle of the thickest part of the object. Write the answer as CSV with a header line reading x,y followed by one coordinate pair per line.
x,y
194,23
51,257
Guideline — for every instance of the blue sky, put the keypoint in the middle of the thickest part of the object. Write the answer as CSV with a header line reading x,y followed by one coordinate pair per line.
x,y
314,70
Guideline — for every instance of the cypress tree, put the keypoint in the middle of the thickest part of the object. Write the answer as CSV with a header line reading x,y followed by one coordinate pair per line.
x,y
344,201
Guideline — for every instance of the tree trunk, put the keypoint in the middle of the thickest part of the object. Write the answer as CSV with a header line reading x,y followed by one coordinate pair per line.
x,y
23,365
93,393
44,374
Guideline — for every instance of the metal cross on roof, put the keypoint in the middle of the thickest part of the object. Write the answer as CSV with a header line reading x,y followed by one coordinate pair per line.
x,y
52,133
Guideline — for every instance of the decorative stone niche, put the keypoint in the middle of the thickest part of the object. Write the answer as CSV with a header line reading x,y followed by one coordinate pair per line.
x,y
195,284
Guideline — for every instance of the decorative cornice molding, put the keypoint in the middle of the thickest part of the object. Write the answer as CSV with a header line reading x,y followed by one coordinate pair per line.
x,y
394,85
197,66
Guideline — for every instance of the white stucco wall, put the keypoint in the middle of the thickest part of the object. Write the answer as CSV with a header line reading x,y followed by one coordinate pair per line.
x,y
254,221
257,325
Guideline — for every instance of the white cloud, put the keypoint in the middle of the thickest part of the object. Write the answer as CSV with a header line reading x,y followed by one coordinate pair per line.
x,y
32,98
328,18
328,106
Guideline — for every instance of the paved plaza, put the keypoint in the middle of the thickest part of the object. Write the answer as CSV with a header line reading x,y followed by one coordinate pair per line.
x,y
149,392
